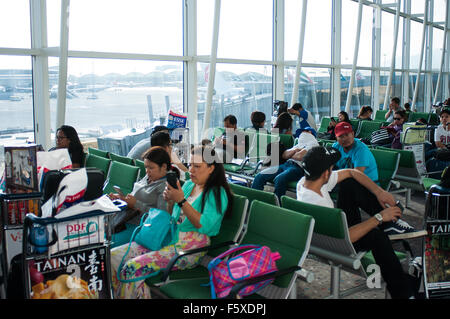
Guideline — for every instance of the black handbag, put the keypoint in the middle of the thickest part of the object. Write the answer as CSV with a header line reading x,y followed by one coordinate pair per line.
x,y
380,137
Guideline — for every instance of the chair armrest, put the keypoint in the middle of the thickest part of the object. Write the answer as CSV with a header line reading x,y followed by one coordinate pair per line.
x,y
242,284
166,272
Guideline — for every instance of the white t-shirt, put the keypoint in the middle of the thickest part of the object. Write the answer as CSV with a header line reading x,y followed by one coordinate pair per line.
x,y
308,196
441,135
305,140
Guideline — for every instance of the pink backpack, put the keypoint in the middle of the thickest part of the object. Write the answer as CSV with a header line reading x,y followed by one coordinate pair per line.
x,y
255,261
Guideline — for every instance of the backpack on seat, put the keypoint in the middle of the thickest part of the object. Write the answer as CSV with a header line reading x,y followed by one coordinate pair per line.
x,y
254,261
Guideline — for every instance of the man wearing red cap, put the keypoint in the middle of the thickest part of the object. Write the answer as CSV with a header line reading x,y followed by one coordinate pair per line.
x,y
354,153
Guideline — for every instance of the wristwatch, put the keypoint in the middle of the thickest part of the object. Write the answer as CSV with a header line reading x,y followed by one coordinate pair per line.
x,y
182,202
379,218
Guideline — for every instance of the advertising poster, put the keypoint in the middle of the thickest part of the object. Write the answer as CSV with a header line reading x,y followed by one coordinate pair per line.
x,y
76,275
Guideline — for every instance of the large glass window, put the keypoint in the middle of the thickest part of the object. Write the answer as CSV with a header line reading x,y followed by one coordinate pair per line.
x,y
205,22
16,100
53,22
349,24
317,47
245,30
395,89
15,24
361,93
135,26
314,89
387,40
108,96
239,90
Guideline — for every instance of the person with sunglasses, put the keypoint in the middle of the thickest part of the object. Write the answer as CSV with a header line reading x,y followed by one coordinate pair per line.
x,y
396,127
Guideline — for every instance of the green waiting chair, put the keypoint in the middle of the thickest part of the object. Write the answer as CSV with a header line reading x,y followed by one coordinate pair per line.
x,y
380,115
331,244
387,165
140,164
99,162
254,194
121,175
284,231
230,232
121,159
366,128
324,122
98,152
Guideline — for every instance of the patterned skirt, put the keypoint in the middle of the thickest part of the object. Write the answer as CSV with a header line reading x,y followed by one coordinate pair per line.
x,y
141,261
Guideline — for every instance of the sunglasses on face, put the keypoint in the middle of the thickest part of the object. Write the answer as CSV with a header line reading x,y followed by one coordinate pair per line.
x,y
397,118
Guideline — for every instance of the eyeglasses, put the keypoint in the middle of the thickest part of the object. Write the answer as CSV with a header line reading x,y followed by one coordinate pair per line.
x,y
61,137
397,118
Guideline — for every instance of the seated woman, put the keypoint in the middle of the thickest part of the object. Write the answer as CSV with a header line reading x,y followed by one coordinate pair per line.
x,y
67,137
365,113
147,193
442,141
283,125
202,202
342,117
396,127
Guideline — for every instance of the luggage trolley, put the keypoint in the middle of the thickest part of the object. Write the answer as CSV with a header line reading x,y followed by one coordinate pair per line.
x,y
67,257
436,248
13,209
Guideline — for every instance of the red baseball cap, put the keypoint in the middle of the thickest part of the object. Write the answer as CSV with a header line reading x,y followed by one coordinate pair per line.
x,y
342,128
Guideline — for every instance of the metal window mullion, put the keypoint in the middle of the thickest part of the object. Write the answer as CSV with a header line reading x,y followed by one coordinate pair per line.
x,y
394,52
301,44
429,60
416,87
376,57
336,57
406,52
278,49
41,99
212,65
190,71
444,54
446,89
63,49
355,58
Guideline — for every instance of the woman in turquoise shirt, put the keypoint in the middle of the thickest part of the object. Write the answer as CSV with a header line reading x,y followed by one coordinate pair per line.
x,y
199,206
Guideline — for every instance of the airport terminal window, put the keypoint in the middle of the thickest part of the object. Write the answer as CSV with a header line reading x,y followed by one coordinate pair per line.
x,y
362,90
387,39
53,22
205,21
416,38
419,107
15,24
153,27
240,89
439,11
317,47
245,30
16,101
396,86
438,37
349,24
314,89
106,96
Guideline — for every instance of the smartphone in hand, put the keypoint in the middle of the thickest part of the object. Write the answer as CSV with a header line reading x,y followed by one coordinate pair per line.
x,y
118,190
399,205
172,179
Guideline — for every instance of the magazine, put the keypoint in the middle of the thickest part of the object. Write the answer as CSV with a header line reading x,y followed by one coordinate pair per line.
x,y
75,275
437,259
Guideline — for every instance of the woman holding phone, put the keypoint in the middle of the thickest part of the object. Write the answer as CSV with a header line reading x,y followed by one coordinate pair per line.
x,y
147,193
199,206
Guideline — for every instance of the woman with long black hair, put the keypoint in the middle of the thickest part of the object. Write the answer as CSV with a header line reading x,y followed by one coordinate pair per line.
x,y
67,137
199,206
